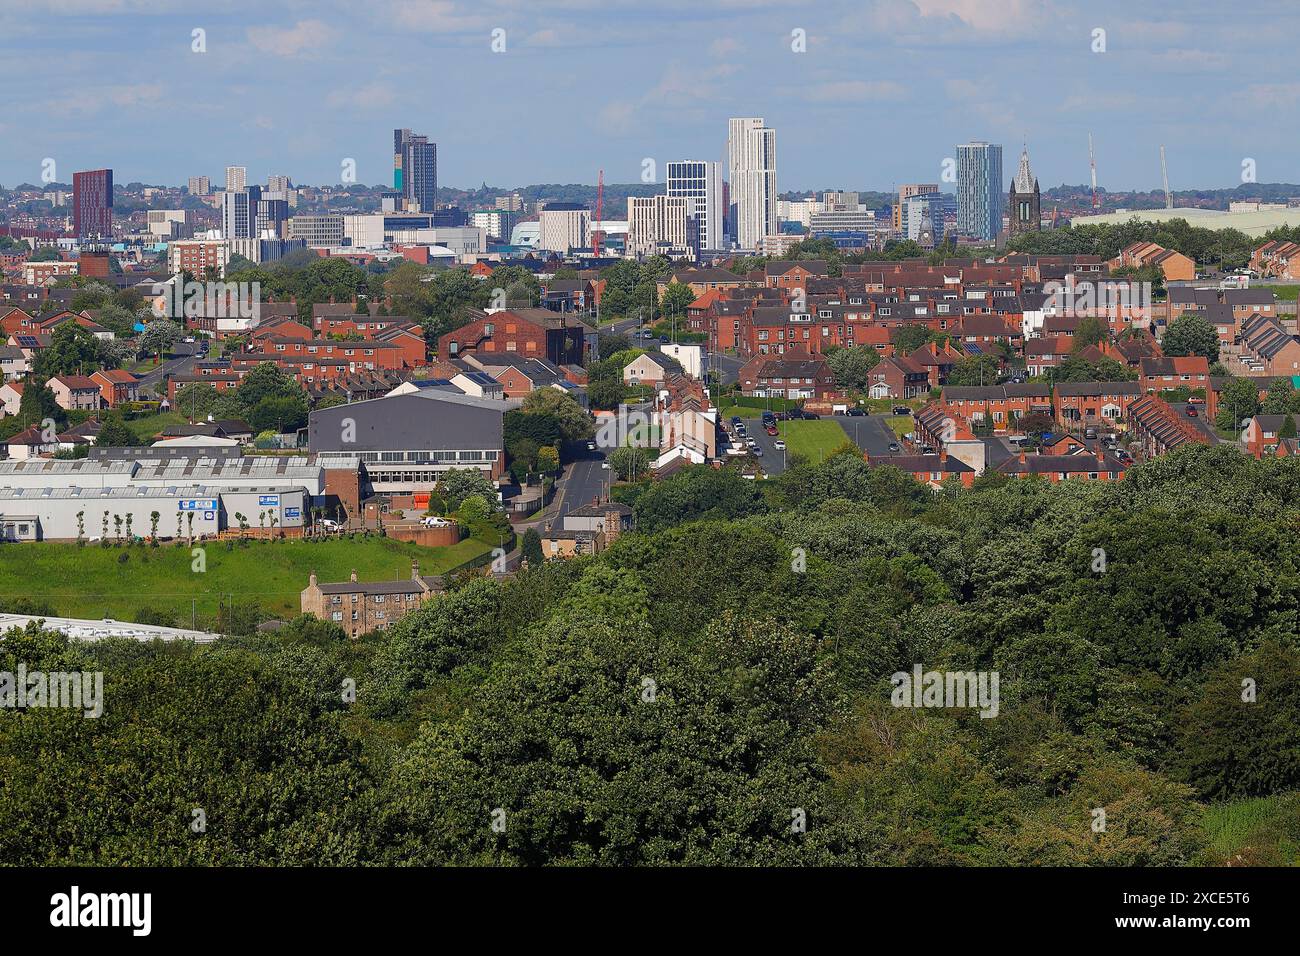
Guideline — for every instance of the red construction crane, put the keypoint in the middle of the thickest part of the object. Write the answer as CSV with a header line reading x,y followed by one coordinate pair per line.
x,y
597,235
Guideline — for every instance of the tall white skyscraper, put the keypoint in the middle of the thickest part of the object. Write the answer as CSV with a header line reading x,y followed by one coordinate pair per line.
x,y
700,183
979,190
236,178
751,166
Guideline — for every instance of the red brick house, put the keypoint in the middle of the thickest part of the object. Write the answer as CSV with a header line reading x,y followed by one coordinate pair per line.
x,y
1160,428
1094,402
1175,372
999,404
116,386
931,469
532,333
795,274
897,376
798,376
1054,468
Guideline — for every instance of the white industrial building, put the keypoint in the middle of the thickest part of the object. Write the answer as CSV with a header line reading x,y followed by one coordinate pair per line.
x,y
41,499
81,629
66,514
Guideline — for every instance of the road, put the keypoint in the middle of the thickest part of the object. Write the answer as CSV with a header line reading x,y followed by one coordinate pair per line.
x,y
871,433
178,366
584,480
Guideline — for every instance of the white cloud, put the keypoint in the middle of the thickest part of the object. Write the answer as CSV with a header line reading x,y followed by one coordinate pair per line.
x,y
436,16
305,36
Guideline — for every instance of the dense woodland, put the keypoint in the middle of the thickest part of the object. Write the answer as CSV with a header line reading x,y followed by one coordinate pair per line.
x,y
681,697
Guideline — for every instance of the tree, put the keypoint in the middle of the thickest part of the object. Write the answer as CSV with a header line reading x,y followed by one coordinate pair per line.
x,y
113,433
265,380
575,424
975,370
197,400
531,548
675,300
630,463
606,393
908,338
1090,331
611,343
852,367
1281,399
73,350
1191,334
548,458
37,404
1239,401
159,336
697,493
459,483
283,413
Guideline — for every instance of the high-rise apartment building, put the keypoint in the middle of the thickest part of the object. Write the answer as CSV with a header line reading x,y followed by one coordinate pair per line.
x,y
239,213
751,166
979,190
906,192
563,226
200,186
278,184
656,225
92,197
415,170
699,182
236,178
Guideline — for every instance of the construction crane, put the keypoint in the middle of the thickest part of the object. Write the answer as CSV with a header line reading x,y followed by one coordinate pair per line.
x,y
598,235
1092,164
1164,171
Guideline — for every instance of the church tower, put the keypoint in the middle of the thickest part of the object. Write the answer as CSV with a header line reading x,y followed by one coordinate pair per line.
x,y
1022,201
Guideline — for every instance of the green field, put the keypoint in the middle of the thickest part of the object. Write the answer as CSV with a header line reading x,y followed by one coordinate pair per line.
x,y
147,426
901,424
814,440
1284,293
90,582
1260,832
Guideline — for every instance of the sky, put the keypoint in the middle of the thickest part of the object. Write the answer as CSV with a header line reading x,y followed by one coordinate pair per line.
x,y
863,94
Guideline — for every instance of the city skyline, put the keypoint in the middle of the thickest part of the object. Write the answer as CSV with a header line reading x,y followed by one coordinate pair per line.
x,y
331,87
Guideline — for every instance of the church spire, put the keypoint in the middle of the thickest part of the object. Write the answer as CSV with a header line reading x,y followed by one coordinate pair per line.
x,y
1024,177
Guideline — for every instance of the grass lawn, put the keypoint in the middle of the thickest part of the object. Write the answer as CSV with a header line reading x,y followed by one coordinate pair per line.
x,y
145,427
901,424
89,582
1285,293
814,440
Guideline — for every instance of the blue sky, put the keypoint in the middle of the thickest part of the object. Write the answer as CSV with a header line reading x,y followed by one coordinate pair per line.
x,y
881,95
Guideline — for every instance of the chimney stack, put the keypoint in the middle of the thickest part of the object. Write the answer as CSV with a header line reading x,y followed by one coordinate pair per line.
x,y
353,579
1022,455
415,570
311,580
